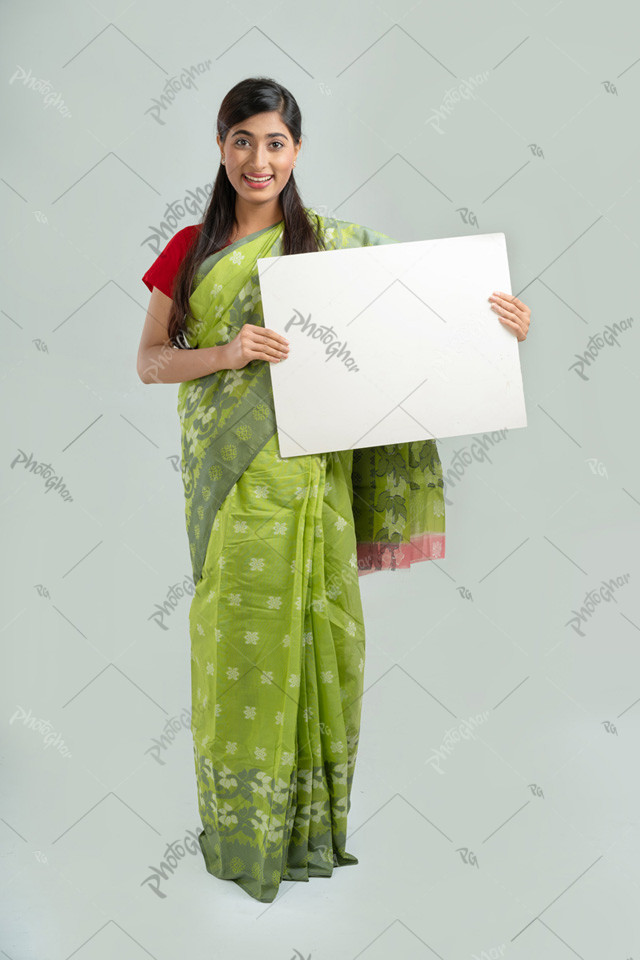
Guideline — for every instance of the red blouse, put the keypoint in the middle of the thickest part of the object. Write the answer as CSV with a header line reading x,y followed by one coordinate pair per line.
x,y
162,271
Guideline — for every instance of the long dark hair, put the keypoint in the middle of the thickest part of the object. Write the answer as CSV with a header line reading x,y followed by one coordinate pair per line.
x,y
250,96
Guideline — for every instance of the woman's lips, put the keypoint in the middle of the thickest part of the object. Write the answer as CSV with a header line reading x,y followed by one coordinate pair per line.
x,y
257,186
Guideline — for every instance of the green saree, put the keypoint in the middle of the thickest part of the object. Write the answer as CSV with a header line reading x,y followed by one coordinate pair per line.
x,y
277,634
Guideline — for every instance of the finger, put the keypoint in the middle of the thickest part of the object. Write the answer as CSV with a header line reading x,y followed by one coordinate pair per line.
x,y
264,334
504,299
273,348
519,304
268,357
265,351
275,343
276,336
502,295
512,325
509,321
505,311
509,298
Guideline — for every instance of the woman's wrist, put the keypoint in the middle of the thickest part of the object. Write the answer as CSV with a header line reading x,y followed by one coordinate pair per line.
x,y
219,357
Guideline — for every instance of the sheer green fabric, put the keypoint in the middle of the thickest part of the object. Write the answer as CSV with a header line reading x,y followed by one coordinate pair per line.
x,y
277,634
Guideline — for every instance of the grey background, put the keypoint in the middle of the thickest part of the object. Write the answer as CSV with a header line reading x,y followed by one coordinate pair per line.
x,y
526,844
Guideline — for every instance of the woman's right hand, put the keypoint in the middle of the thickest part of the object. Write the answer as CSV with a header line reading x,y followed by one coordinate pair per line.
x,y
255,343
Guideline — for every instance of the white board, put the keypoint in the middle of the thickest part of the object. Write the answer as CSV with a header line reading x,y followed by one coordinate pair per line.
x,y
391,343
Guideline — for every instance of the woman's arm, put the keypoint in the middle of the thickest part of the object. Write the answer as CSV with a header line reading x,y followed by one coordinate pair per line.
x,y
160,362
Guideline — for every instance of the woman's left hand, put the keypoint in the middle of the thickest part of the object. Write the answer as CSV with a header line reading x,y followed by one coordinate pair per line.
x,y
513,313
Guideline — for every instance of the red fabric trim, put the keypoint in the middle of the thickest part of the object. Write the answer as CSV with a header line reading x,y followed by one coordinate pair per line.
x,y
399,556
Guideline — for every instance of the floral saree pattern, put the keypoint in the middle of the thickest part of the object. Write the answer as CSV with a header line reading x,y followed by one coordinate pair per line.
x,y
277,634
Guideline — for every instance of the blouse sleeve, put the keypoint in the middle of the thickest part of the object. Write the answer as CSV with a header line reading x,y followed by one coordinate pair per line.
x,y
163,270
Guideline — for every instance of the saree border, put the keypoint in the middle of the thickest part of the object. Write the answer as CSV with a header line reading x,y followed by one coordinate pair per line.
x,y
207,265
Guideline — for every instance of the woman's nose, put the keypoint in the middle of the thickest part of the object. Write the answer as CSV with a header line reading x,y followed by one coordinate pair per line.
x,y
260,157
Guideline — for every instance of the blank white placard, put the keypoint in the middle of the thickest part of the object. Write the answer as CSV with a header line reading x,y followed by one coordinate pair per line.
x,y
391,343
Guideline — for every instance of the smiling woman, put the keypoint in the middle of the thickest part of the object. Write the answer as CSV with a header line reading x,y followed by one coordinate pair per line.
x,y
258,159
277,544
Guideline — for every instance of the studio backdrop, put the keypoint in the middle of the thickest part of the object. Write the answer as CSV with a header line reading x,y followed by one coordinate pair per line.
x,y
495,800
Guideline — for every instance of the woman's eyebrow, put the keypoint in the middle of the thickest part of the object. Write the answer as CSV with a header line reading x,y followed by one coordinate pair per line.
x,y
248,132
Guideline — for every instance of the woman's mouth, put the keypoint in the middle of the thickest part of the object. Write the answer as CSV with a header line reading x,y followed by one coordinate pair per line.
x,y
258,183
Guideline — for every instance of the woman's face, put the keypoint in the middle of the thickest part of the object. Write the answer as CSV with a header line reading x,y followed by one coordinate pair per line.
x,y
261,146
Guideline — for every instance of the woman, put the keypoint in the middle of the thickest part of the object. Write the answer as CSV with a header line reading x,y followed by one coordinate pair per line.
x,y
277,545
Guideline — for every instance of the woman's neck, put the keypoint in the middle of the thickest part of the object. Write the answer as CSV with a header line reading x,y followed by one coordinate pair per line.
x,y
252,220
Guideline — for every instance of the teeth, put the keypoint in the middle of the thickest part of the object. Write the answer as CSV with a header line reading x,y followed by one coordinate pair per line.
x,y
258,179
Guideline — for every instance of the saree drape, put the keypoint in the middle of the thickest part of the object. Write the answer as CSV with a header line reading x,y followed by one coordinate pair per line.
x,y
277,634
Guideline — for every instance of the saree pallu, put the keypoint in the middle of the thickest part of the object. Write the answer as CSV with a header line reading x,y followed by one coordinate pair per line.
x,y
277,633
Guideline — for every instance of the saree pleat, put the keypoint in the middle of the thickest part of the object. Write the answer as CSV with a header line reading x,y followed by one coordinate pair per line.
x,y
277,672
276,623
